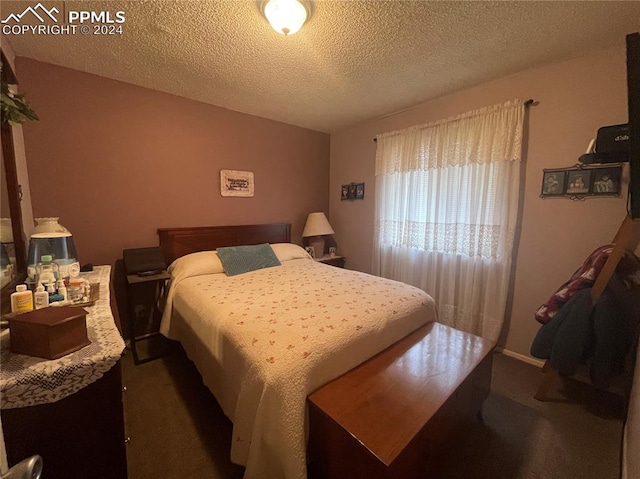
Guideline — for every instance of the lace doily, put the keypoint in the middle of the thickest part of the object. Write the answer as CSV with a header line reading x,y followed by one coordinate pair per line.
x,y
28,381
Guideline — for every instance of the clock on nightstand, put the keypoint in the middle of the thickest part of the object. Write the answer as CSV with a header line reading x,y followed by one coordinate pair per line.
x,y
337,261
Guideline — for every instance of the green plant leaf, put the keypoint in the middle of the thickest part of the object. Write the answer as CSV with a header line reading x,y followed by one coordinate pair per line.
x,y
15,107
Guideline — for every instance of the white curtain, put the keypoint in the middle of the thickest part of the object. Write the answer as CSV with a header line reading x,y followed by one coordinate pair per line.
x,y
446,211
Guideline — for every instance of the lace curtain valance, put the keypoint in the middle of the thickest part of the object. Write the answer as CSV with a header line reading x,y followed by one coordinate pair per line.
x,y
474,137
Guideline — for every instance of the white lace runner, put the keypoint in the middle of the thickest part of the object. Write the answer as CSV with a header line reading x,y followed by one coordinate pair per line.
x,y
28,381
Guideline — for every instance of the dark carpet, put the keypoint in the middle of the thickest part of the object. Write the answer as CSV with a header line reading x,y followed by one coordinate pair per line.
x,y
178,430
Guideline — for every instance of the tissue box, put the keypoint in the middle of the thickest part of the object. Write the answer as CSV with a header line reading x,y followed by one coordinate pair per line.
x,y
49,333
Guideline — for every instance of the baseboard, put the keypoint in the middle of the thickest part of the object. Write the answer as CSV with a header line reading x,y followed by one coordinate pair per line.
x,y
521,357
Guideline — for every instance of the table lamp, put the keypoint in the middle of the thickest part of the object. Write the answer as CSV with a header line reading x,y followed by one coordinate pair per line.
x,y
315,229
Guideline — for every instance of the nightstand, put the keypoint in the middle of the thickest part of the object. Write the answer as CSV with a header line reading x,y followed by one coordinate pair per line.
x,y
144,292
337,261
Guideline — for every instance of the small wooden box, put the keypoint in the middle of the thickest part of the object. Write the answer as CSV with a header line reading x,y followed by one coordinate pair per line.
x,y
49,333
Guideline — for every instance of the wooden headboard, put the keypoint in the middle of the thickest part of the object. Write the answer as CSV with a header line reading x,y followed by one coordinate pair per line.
x,y
177,242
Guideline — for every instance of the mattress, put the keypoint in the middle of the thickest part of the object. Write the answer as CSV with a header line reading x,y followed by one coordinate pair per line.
x,y
264,340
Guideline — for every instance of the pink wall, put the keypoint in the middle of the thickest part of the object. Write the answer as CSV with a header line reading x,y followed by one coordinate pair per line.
x,y
117,161
576,98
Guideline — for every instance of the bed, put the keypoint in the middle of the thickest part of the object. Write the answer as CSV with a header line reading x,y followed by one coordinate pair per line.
x,y
264,340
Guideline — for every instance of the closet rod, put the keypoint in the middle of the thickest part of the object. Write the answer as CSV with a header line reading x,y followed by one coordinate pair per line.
x,y
528,103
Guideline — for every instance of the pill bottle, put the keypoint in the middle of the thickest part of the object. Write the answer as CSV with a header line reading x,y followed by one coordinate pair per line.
x,y
22,299
75,290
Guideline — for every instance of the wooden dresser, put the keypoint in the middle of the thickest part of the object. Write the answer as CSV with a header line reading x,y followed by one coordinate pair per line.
x,y
79,433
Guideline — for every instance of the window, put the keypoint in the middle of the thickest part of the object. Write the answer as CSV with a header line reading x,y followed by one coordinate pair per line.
x,y
446,211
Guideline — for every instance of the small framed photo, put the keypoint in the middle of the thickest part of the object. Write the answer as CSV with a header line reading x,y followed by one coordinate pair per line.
x,y
345,193
332,251
606,181
578,181
352,191
311,250
553,183
359,191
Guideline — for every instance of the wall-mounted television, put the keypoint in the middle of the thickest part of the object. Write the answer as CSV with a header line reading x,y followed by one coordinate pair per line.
x,y
633,88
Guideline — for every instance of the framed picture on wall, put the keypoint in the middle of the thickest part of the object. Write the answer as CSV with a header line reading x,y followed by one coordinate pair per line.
x,y
606,181
578,181
236,183
553,183
582,181
352,191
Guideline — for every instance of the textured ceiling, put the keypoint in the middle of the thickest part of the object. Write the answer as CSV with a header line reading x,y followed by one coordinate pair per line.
x,y
352,61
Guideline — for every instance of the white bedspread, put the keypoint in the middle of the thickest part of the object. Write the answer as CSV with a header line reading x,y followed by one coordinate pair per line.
x,y
266,339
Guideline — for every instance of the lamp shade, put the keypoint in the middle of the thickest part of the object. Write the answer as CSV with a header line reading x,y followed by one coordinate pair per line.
x,y
6,230
317,225
285,16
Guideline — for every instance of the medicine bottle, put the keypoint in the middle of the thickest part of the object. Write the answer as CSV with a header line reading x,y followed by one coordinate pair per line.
x,y
41,297
62,289
22,299
47,270
75,290
53,296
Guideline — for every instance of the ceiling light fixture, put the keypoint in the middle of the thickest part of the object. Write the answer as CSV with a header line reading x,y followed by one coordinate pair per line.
x,y
286,16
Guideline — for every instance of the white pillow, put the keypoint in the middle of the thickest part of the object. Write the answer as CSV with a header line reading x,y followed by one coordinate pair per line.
x,y
196,264
288,251
207,262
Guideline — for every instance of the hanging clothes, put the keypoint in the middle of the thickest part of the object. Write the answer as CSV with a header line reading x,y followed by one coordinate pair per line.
x,y
585,276
599,335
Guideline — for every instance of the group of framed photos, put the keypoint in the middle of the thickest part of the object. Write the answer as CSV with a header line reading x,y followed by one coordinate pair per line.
x,y
580,181
352,191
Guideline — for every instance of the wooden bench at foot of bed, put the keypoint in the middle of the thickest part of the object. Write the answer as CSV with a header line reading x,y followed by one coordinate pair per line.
x,y
392,416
